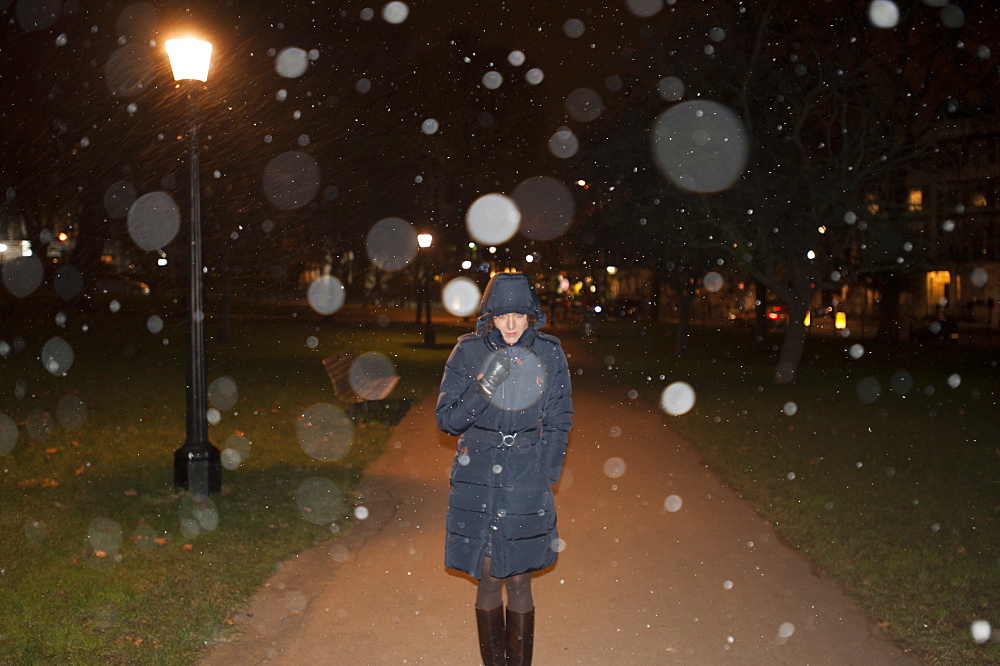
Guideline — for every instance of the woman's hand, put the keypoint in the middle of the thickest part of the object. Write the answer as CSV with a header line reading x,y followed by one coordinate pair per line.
x,y
496,373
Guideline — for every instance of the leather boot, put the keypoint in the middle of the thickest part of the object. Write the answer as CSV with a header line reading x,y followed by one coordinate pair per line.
x,y
491,636
520,637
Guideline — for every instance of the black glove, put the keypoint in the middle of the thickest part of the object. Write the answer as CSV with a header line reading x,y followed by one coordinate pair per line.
x,y
496,372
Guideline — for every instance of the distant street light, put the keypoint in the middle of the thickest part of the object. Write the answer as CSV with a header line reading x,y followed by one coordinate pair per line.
x,y
197,464
425,241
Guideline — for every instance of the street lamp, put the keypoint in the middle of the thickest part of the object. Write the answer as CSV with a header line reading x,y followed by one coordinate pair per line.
x,y
425,241
197,464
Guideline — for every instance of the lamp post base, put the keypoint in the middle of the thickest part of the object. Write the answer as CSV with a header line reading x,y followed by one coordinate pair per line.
x,y
198,468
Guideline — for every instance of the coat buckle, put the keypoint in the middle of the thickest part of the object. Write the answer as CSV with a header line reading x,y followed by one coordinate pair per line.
x,y
507,440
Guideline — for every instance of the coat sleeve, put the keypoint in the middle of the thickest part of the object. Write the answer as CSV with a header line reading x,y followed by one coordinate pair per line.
x,y
460,402
557,419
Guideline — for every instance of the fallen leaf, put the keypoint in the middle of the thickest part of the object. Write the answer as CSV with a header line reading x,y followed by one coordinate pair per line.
x,y
51,450
131,493
188,546
100,553
79,470
161,540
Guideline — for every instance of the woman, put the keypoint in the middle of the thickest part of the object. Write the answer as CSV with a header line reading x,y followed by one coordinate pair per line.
x,y
506,391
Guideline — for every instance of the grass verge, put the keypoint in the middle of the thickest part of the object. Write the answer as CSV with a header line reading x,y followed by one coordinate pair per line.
x,y
881,464
103,560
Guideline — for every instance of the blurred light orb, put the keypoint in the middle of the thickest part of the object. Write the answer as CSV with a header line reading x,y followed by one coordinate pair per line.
x,y
8,434
534,76
236,449
22,275
546,205
118,198
325,432
564,144
367,371
644,8
154,324
115,305
429,126
326,294
980,631
363,86
67,282
614,468
493,219
516,58
291,62
883,13
391,243
673,503
574,28
786,629
868,390
320,501
492,80
678,398
153,220
129,70
39,424
461,297
291,180
71,412
558,545
35,531
104,535
952,16
790,408
954,380
395,12
361,512
713,281
57,356
584,105
700,146
367,14
856,351
670,89
213,416
716,34
978,277
223,393
901,382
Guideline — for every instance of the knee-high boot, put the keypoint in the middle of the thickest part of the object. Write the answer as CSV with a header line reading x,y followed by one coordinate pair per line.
x,y
491,636
520,637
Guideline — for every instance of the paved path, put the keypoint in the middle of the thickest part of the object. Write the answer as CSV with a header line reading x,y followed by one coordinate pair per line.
x,y
708,583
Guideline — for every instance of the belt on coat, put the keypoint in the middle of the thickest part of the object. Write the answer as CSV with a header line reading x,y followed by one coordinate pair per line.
x,y
510,439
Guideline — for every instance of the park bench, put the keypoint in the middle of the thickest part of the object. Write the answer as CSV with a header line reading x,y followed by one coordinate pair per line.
x,y
362,389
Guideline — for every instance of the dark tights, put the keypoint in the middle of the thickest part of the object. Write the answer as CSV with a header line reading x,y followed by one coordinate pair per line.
x,y
488,594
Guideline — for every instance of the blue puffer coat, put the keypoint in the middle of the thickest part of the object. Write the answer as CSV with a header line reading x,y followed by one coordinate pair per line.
x,y
512,445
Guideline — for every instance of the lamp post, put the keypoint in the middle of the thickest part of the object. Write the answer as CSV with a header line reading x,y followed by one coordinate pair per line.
x,y
425,241
197,464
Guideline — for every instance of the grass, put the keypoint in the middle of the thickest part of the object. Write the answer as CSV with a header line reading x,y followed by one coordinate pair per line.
x,y
895,497
104,561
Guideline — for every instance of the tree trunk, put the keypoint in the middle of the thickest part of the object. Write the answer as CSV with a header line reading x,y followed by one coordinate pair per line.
x,y
685,298
760,318
889,327
792,346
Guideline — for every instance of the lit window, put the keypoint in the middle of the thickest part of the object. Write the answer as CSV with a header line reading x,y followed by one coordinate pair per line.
x,y
916,200
979,201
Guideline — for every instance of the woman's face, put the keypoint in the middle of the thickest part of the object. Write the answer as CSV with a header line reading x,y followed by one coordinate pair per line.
x,y
511,325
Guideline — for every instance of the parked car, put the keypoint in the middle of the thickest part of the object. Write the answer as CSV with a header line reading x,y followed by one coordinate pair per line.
x,y
937,329
121,284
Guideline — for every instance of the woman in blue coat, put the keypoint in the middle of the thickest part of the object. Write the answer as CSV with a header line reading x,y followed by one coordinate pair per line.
x,y
506,391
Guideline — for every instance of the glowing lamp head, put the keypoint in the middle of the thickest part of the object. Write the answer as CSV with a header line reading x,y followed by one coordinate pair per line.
x,y
424,240
189,58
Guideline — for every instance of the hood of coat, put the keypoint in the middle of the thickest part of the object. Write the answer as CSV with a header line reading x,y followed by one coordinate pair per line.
x,y
506,293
